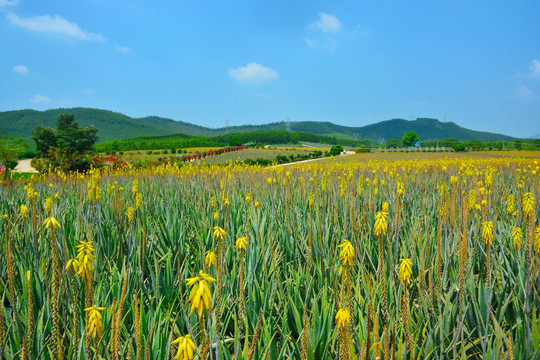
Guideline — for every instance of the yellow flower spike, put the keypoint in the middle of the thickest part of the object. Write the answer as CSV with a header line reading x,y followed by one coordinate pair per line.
x,y
241,243
72,264
210,259
487,232
130,213
24,211
216,216
248,197
405,271
381,225
95,321
528,204
51,222
48,205
343,318
219,233
200,296
186,348
517,235
257,204
347,253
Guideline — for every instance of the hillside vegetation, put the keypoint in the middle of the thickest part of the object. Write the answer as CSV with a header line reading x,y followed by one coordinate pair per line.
x,y
117,126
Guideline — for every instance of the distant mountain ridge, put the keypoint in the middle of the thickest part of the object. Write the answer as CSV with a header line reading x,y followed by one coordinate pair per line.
x,y
117,126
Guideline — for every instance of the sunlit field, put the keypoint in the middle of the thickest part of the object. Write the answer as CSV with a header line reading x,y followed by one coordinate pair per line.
x,y
367,256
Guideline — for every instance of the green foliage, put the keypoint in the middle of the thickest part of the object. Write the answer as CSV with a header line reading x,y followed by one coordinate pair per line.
x,y
410,138
336,150
116,126
187,141
459,147
67,146
10,148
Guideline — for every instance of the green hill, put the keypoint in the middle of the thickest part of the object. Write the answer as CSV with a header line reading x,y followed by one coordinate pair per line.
x,y
116,126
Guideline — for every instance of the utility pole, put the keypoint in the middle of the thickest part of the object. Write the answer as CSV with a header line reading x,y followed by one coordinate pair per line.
x,y
226,126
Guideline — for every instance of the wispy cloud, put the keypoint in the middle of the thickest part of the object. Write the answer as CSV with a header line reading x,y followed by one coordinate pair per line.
x,y
535,69
524,93
21,69
40,99
123,49
327,23
6,3
53,25
253,73
89,91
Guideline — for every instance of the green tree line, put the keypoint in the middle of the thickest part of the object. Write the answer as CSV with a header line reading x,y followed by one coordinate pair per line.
x,y
233,139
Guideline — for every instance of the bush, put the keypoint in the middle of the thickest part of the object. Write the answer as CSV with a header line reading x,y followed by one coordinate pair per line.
x,y
149,152
336,150
459,147
12,164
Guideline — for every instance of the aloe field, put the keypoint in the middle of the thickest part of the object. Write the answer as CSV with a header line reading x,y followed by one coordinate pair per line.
x,y
402,259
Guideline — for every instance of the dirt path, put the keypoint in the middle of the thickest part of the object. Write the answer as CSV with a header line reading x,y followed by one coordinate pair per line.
x,y
24,167
305,161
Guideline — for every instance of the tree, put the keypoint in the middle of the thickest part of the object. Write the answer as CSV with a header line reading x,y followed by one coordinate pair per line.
x,y
410,138
10,148
336,150
68,145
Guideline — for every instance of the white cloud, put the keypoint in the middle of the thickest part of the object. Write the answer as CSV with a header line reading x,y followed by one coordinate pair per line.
x,y
123,49
253,73
535,69
53,25
9,3
40,99
21,69
327,23
89,91
524,92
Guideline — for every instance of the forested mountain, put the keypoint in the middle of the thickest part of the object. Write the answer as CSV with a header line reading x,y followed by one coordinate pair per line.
x,y
116,126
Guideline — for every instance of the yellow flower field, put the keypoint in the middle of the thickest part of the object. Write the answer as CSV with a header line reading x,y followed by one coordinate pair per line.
x,y
389,256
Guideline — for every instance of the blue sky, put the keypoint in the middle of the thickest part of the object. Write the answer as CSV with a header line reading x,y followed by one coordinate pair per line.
x,y
476,63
